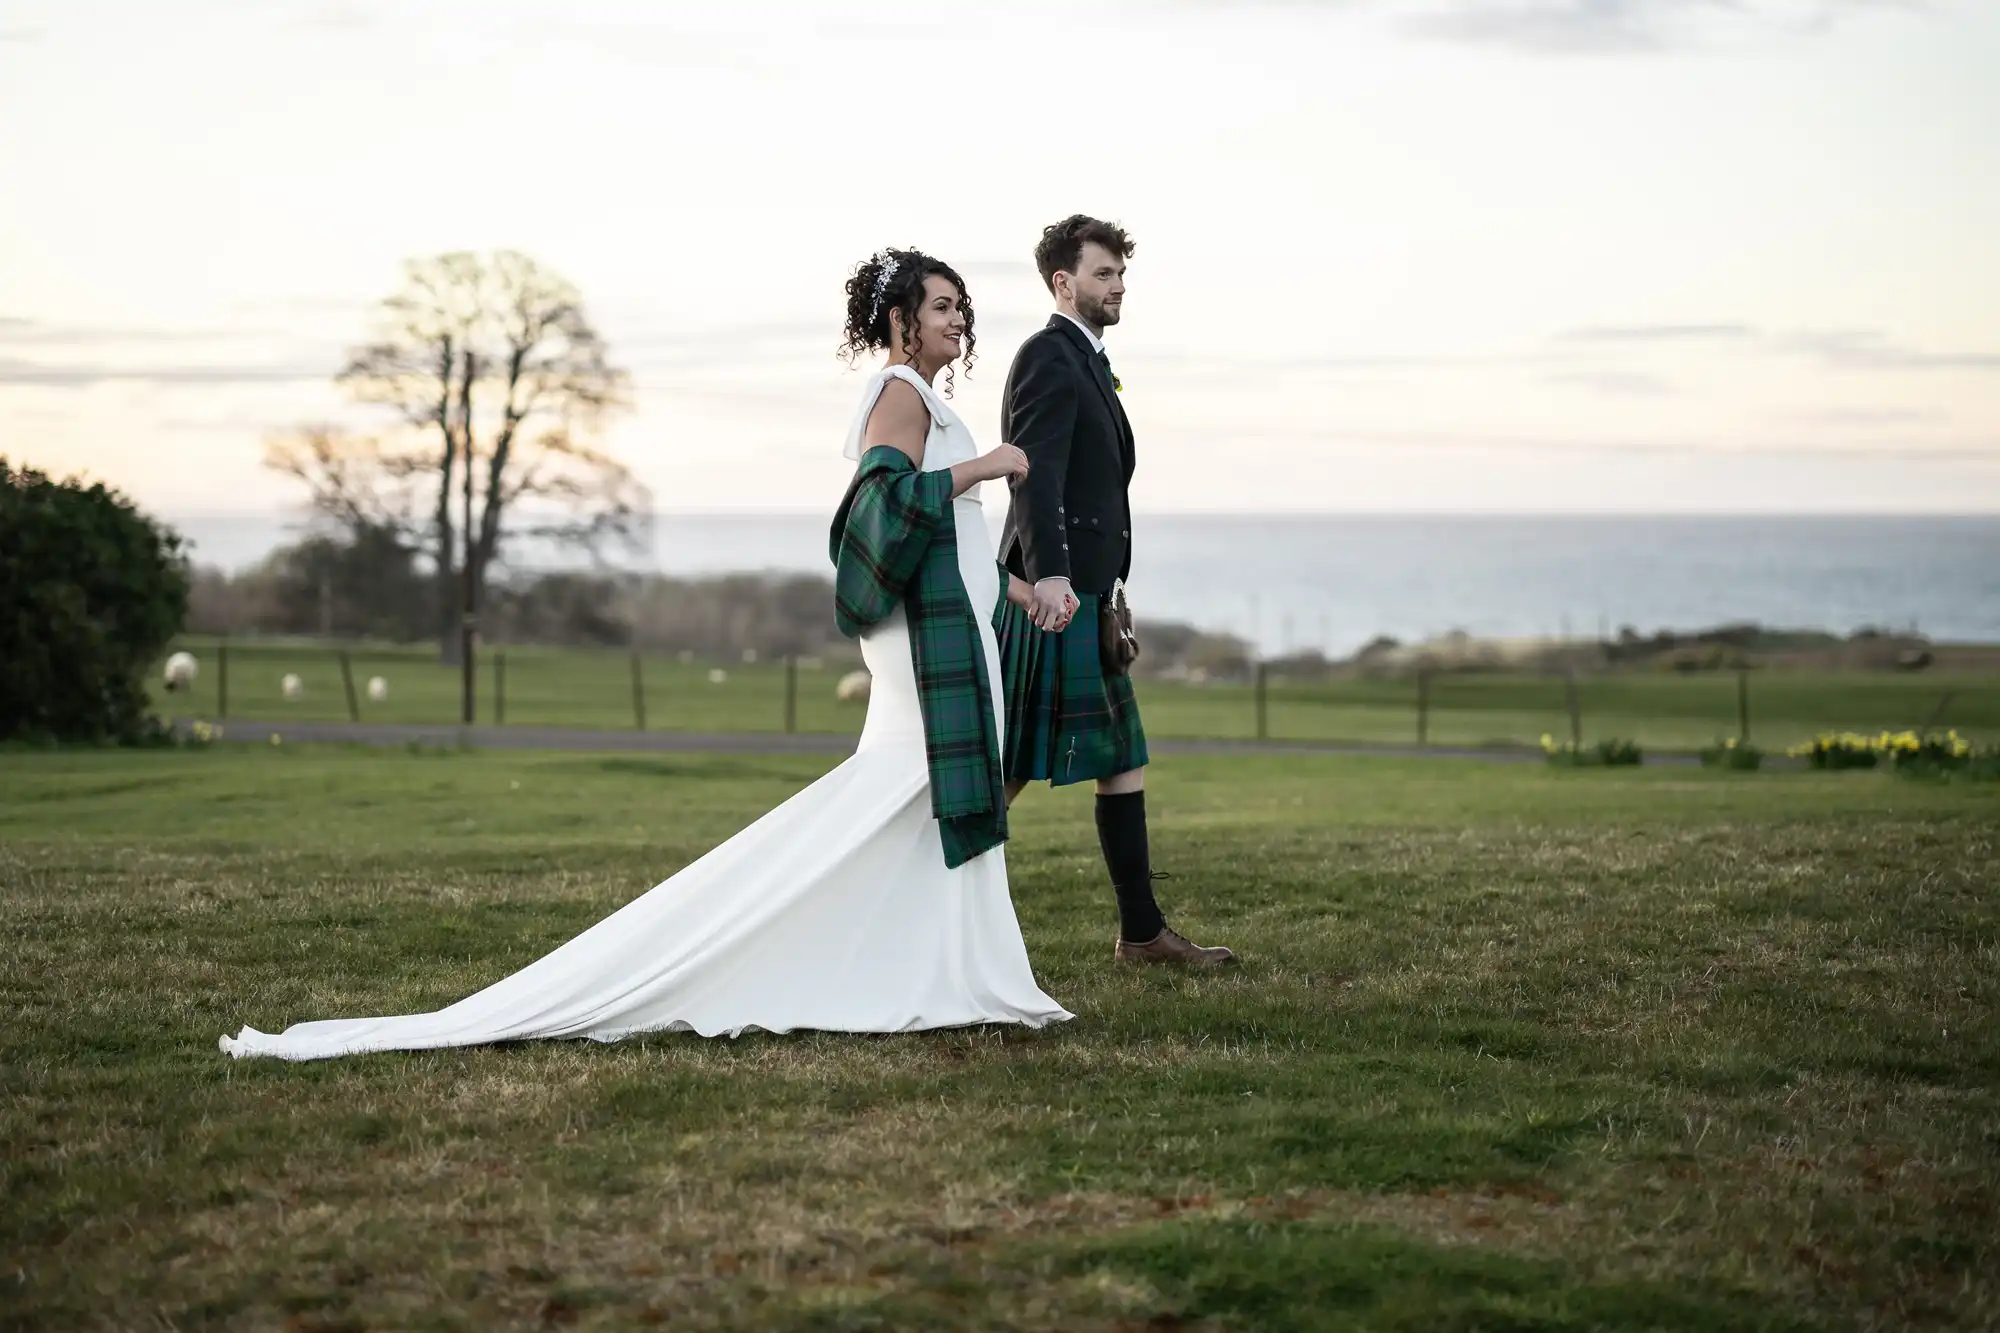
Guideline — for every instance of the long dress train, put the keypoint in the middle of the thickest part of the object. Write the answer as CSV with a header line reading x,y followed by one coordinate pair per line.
x,y
835,911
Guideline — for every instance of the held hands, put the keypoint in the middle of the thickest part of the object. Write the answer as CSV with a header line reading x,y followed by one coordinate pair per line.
x,y
1003,463
1051,604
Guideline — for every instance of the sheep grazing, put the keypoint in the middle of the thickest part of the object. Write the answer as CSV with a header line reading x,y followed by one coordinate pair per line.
x,y
718,676
378,689
853,688
180,672
294,688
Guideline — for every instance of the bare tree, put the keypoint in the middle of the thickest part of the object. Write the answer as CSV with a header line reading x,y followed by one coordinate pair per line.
x,y
357,482
501,386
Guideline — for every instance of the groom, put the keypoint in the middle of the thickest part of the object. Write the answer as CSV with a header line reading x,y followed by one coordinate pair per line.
x,y
1069,533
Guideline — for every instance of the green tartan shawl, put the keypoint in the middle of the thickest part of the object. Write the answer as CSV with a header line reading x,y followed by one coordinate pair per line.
x,y
895,543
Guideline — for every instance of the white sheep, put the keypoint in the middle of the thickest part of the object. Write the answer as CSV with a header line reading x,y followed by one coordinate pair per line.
x,y
717,676
181,671
853,688
378,689
294,688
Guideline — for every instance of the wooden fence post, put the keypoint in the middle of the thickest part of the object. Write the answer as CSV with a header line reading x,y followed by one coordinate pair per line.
x,y
1263,708
1742,706
1937,714
1423,706
222,679
638,692
1575,708
499,687
791,694
347,685
468,640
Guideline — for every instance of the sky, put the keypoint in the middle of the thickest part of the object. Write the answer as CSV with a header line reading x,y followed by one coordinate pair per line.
x,y
1438,256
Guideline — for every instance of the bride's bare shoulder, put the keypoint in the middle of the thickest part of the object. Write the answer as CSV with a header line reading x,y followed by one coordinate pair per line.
x,y
899,419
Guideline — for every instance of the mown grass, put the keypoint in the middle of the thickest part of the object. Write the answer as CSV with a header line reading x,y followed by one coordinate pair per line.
x,y
593,688
1511,1048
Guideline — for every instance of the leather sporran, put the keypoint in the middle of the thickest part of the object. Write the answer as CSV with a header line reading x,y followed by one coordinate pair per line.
x,y
1117,644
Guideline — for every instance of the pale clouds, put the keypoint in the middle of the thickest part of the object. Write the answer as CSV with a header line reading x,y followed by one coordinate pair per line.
x,y
1661,333
343,16
34,374
1871,349
1629,27
1619,383
1378,243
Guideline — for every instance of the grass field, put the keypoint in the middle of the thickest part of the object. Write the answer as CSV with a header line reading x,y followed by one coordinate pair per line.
x,y
1512,1048
572,687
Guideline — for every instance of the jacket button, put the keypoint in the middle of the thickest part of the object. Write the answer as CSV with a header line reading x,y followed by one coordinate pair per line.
x,y
1126,534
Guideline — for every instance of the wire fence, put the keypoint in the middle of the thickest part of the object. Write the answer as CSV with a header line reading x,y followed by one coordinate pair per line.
x,y
310,680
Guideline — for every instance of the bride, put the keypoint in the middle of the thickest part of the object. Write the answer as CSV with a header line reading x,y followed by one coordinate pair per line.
x,y
876,899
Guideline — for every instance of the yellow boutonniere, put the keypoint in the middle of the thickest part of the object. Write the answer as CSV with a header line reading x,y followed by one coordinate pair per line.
x,y
1117,385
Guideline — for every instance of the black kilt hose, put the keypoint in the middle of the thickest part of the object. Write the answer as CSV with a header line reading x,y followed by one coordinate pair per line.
x,y
1071,517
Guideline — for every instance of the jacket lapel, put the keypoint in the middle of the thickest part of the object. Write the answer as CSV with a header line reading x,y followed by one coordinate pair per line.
x,y
1101,377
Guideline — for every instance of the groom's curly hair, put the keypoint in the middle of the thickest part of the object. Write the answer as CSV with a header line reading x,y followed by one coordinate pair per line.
x,y
1061,246
867,328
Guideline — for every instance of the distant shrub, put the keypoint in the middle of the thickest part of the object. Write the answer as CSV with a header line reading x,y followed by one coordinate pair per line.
x,y
1611,753
1914,754
1832,750
1734,755
1947,755
1707,657
91,591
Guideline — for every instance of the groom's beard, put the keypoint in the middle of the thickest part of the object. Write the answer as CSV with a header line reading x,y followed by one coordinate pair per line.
x,y
1096,312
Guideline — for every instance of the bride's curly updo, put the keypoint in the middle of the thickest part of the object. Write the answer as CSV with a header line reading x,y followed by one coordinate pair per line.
x,y
894,280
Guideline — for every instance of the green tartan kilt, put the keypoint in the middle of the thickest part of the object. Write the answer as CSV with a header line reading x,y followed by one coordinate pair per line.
x,y
1066,720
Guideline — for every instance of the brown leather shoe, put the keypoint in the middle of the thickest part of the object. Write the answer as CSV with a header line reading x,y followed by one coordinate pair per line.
x,y
1168,947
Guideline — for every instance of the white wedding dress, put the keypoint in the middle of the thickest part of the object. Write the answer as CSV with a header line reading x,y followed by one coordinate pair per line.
x,y
835,911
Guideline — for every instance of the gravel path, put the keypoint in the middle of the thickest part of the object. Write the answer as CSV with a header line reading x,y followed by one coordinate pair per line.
x,y
775,742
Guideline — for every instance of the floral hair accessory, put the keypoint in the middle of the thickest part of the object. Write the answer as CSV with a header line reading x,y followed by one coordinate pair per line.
x,y
883,278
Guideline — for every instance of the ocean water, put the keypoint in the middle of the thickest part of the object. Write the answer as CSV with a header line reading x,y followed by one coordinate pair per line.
x,y
1333,582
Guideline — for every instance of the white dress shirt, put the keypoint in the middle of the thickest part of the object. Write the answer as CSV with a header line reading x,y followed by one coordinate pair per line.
x,y
1096,343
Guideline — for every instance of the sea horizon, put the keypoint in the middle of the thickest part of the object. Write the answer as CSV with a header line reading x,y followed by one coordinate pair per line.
x,y
1334,581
